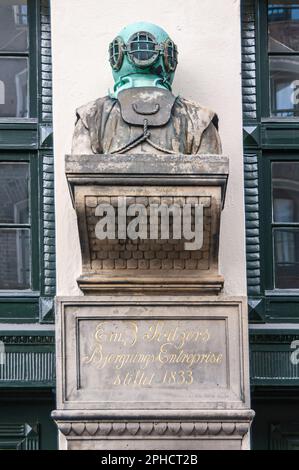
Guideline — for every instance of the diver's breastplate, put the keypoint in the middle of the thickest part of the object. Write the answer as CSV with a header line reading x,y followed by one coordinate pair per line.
x,y
145,107
146,103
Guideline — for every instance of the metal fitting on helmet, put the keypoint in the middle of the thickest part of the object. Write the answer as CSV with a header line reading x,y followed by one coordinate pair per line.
x,y
143,50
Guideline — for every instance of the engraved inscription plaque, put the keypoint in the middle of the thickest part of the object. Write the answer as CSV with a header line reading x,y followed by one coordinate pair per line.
x,y
152,355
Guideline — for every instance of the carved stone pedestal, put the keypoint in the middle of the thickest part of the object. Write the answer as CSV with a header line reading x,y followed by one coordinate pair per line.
x,y
152,373
158,358
148,265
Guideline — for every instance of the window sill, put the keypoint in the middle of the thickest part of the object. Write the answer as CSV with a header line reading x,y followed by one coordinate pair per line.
x,y
277,120
282,293
18,122
12,294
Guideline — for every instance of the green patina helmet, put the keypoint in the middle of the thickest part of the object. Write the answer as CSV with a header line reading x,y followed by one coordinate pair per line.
x,y
142,55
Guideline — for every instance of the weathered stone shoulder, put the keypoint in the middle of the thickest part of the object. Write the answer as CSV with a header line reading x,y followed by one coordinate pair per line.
x,y
196,111
90,109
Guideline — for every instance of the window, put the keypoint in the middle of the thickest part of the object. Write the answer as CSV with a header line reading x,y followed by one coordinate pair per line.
x,y
14,59
14,226
270,47
285,224
27,222
283,57
18,195
278,155
19,182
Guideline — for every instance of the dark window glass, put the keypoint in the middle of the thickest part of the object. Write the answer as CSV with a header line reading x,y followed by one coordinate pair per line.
x,y
14,193
15,229
15,259
285,195
14,59
284,85
283,24
14,96
286,258
14,26
283,55
285,184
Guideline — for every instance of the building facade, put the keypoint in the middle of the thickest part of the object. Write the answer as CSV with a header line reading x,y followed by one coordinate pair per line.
x,y
271,168
27,285
51,62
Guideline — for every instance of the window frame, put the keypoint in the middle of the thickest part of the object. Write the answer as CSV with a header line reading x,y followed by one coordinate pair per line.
x,y
32,160
265,139
278,141
33,51
263,55
19,143
266,213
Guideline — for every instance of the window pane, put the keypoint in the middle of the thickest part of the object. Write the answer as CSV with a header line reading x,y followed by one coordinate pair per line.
x,y
286,258
283,24
13,87
13,26
14,193
285,184
284,86
15,259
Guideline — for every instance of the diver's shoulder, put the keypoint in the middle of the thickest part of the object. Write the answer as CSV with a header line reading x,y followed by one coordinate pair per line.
x,y
93,106
197,108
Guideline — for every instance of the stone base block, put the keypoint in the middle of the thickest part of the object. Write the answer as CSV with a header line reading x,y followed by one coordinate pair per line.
x,y
152,372
198,431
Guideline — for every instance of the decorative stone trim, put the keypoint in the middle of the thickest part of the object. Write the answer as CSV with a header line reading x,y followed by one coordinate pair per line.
x,y
159,429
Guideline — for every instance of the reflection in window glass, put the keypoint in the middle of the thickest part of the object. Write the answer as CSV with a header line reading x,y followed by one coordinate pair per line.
x,y
14,26
283,24
14,87
14,181
15,259
284,86
286,258
285,186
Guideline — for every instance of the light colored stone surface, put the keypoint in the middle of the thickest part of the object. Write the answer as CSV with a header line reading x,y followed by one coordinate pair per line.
x,y
152,265
211,76
107,249
229,434
137,354
101,341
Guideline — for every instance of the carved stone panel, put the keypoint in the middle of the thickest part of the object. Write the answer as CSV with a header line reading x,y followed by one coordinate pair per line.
x,y
147,264
145,255
152,372
123,354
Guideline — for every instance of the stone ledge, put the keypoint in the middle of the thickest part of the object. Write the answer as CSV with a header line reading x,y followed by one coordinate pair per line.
x,y
165,429
99,165
175,423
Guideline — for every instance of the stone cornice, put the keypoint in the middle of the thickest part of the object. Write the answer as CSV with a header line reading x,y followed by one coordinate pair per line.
x,y
154,429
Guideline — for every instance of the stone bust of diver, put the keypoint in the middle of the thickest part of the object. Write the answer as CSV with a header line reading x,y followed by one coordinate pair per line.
x,y
142,115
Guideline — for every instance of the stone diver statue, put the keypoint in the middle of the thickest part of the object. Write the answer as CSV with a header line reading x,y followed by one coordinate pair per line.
x,y
142,115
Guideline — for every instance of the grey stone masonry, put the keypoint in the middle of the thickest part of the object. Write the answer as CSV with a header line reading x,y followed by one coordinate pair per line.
x,y
125,264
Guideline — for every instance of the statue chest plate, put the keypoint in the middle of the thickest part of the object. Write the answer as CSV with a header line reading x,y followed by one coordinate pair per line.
x,y
146,103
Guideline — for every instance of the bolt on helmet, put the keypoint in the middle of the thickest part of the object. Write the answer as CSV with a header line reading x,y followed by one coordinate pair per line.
x,y
145,52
